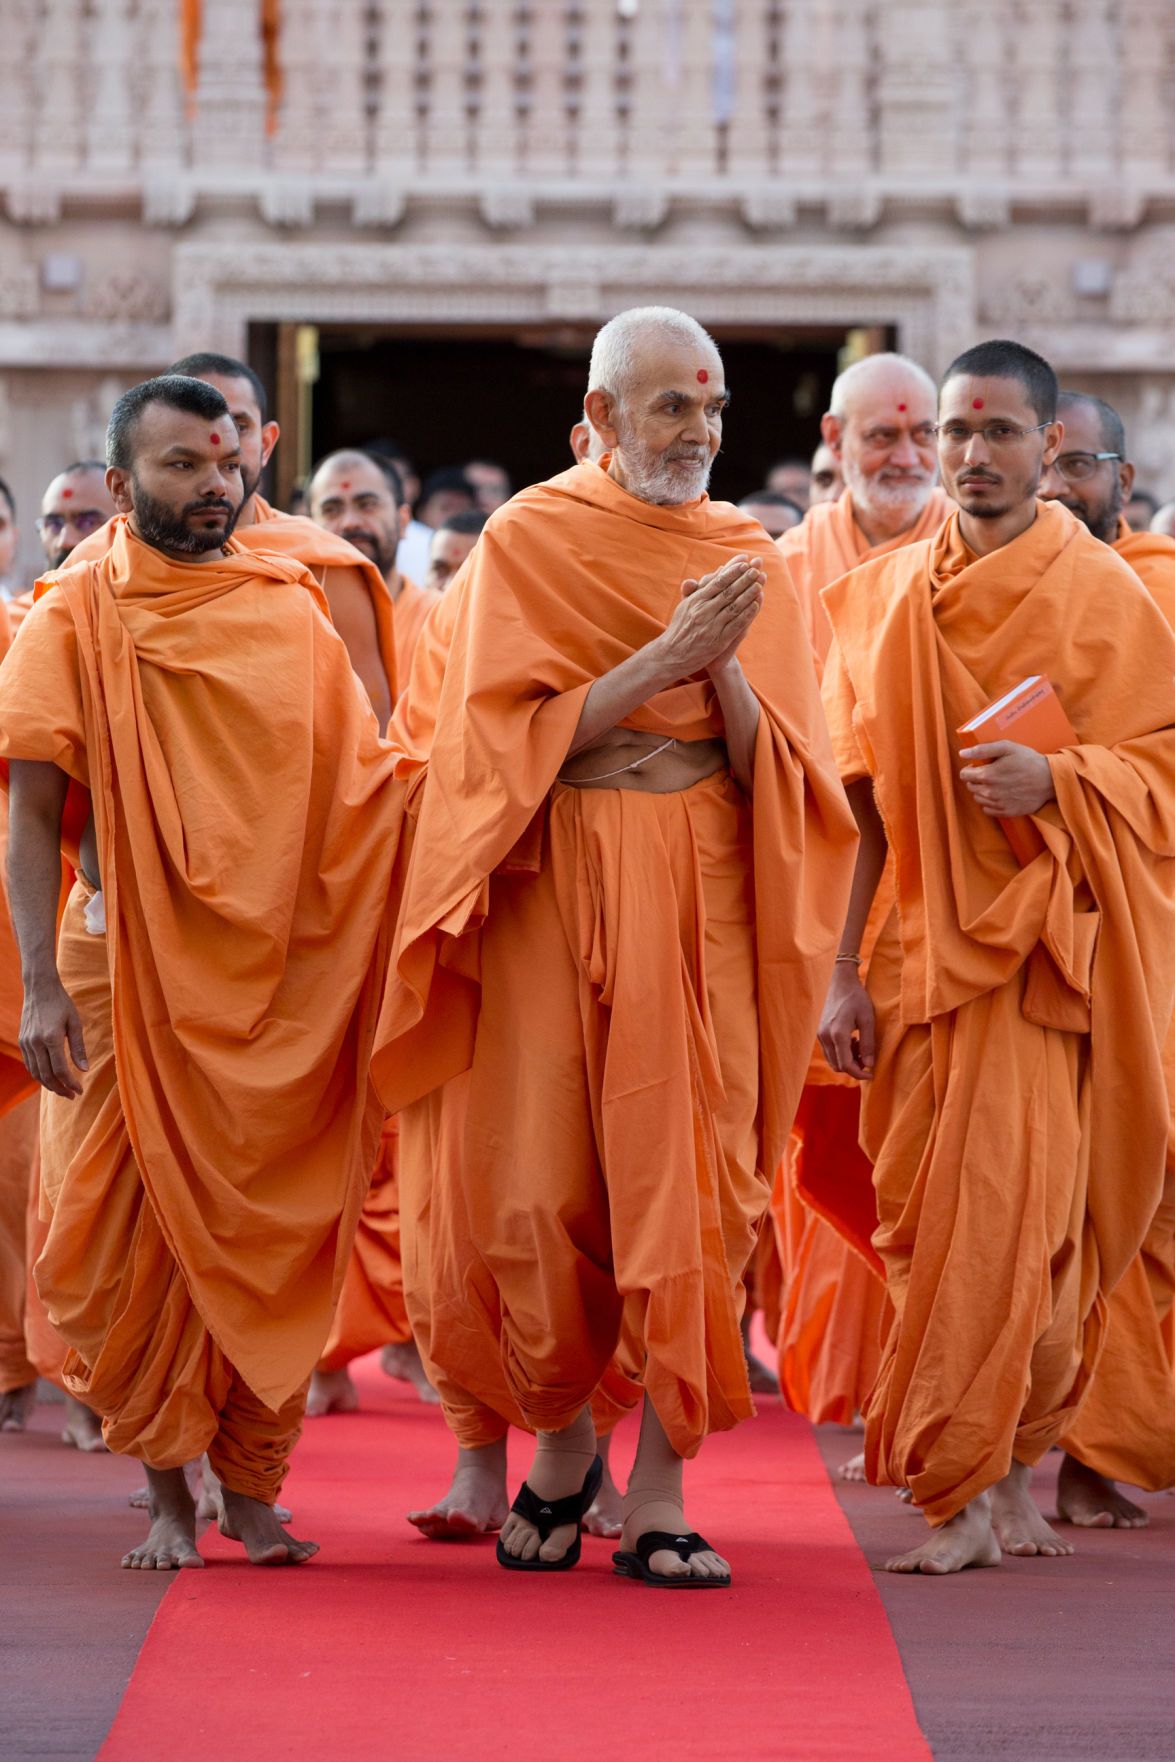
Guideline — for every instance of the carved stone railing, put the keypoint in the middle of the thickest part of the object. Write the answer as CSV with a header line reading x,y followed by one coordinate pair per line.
x,y
839,108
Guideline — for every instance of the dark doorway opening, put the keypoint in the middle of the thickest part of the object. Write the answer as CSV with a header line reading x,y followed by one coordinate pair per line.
x,y
449,395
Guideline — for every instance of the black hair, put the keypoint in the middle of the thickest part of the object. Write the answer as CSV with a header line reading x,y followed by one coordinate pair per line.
x,y
225,367
9,498
470,521
448,477
387,466
1002,359
1111,429
192,396
773,498
1144,495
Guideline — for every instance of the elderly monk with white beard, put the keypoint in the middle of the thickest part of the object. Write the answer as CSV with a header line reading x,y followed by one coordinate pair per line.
x,y
617,907
880,429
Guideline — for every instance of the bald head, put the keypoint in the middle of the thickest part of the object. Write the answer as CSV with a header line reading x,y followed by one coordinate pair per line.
x,y
76,503
880,425
656,397
358,496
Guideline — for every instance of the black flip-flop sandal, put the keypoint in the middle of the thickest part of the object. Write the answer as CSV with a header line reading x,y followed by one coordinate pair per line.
x,y
635,1563
551,1514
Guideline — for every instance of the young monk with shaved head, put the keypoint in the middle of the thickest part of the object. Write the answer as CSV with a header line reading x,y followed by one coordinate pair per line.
x,y
1126,1428
1010,1039
879,432
618,902
208,1130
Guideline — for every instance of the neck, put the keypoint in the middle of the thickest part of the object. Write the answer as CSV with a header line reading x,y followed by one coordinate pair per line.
x,y
985,536
248,513
395,582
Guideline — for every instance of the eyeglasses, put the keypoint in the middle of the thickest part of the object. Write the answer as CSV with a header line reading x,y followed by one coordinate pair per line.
x,y
996,434
1080,467
85,521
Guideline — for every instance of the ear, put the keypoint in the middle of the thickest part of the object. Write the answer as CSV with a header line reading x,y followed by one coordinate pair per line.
x,y
405,517
831,431
1126,476
601,413
1054,434
118,482
270,435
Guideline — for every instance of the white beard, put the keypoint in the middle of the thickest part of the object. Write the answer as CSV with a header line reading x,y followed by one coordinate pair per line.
x,y
898,497
650,475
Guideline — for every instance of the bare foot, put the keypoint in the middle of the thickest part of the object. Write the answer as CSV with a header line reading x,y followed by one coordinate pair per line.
x,y
965,1540
16,1407
83,1428
171,1540
476,1502
667,1514
331,1391
560,1466
605,1514
208,1492
404,1364
1017,1521
853,1469
258,1528
1087,1498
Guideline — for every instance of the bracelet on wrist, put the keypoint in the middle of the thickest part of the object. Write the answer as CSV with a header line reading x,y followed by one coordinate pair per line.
x,y
852,959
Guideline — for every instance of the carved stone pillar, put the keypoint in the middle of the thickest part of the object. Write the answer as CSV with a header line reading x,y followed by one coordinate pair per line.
x,y
162,103
804,140
916,97
986,112
322,123
1037,47
752,134
446,145
596,137
18,26
229,129
398,96
851,137
699,95
1146,33
1091,99
547,142
62,97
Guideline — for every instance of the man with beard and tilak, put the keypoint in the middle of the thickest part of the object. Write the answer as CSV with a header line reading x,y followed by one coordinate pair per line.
x,y
180,719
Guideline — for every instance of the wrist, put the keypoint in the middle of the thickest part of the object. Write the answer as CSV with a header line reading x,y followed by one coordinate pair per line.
x,y
41,979
658,657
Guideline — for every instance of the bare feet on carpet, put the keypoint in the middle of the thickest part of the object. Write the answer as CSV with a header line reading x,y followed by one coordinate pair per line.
x,y
605,1515
140,1499
560,1466
965,1540
1088,1499
854,1468
171,1540
1017,1520
403,1363
83,1428
259,1529
331,1391
475,1504
16,1407
208,1493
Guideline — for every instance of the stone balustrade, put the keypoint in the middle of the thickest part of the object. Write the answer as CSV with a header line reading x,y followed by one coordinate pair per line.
x,y
847,107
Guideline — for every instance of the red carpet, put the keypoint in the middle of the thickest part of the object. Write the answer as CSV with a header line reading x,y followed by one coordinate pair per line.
x,y
390,1647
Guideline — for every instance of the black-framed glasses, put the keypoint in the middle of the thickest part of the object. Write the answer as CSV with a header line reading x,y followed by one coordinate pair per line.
x,y
1080,467
85,521
996,434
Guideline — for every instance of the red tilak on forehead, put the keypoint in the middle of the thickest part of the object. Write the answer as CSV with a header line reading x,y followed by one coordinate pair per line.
x,y
215,439
346,484
977,403
703,376
902,409
67,493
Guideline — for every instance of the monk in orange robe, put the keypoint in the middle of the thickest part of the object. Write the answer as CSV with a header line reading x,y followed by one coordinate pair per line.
x,y
358,497
616,905
209,1128
1011,1038
18,1129
879,429
1126,1427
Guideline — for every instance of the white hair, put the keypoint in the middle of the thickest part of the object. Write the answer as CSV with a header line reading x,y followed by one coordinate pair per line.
x,y
614,353
854,378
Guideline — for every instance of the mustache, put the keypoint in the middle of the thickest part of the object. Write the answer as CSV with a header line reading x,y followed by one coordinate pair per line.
x,y
978,477
356,534
208,505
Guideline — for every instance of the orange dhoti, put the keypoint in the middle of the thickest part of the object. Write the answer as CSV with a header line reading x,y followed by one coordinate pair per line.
x,y
371,1311
18,1148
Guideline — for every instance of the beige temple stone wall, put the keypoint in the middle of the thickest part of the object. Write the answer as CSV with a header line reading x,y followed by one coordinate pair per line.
x,y
945,168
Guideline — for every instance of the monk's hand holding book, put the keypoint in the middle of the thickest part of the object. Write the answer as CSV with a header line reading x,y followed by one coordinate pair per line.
x,y
1007,779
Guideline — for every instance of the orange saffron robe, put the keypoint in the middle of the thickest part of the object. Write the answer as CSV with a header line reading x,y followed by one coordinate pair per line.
x,y
204,1189
1018,1119
1126,1427
631,980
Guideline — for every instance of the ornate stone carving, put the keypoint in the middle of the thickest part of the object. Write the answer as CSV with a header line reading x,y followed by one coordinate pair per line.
x,y
18,291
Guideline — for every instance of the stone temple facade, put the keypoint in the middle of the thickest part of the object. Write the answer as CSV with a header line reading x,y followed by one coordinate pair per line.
x,y
242,174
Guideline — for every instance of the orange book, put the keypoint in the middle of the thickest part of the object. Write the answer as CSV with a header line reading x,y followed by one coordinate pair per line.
x,y
1032,715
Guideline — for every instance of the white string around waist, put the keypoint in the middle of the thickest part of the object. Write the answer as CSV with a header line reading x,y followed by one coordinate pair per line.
x,y
620,771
